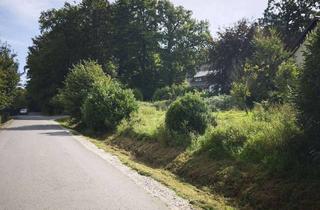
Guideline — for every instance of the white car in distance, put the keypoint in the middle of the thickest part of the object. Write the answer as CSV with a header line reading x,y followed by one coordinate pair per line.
x,y
23,111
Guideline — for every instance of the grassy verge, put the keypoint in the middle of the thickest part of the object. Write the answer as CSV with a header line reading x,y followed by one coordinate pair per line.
x,y
199,198
249,160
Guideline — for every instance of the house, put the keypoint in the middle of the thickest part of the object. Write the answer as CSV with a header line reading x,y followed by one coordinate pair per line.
x,y
300,46
201,80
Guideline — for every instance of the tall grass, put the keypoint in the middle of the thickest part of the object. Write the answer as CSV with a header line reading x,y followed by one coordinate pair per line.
x,y
145,124
260,136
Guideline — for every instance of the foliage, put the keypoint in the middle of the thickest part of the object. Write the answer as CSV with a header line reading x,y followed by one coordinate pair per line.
x,y
290,17
222,103
286,81
229,53
68,35
148,124
106,105
19,99
308,100
171,92
9,76
146,44
156,43
162,105
188,114
268,74
143,124
77,85
137,94
259,136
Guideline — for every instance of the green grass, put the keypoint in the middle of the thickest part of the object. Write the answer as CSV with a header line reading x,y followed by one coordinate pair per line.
x,y
144,124
247,160
199,198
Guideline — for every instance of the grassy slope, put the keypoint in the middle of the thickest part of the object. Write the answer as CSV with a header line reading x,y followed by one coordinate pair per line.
x,y
115,144
236,171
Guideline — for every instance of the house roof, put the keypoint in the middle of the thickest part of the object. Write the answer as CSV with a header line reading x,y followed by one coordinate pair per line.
x,y
304,34
202,73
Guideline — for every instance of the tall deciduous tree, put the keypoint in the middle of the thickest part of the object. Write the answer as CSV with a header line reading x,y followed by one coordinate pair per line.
x,y
145,43
290,17
157,44
68,35
229,53
9,76
184,42
135,38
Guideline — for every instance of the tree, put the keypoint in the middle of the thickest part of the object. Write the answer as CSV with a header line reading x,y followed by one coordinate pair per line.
x,y
184,43
290,17
9,76
308,98
77,86
136,43
268,72
229,53
156,43
146,44
68,35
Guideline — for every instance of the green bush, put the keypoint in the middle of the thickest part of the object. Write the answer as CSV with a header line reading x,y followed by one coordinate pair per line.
x,y
188,114
78,84
107,105
171,92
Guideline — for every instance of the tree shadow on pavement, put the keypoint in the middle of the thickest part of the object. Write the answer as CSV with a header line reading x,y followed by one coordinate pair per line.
x,y
34,127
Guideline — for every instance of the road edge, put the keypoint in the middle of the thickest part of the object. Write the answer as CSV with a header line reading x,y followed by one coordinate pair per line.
x,y
6,124
153,187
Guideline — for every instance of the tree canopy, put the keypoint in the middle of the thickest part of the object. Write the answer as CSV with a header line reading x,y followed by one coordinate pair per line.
x,y
9,76
229,53
146,44
268,72
290,17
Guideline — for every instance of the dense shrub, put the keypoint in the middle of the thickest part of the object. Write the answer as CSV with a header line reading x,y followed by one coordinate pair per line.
x,y
222,103
308,99
171,92
188,114
106,105
78,84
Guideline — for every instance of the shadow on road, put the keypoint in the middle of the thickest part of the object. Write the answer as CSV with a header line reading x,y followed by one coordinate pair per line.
x,y
58,133
37,117
34,127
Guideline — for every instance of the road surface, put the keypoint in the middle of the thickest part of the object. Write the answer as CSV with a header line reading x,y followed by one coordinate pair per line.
x,y
43,167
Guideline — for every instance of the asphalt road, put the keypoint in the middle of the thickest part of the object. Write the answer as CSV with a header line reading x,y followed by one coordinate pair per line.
x,y
43,167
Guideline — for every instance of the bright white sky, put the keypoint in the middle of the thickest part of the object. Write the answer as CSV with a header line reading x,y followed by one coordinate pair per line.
x,y
19,18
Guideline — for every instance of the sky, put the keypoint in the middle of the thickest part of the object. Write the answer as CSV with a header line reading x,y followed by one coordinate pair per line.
x,y
19,18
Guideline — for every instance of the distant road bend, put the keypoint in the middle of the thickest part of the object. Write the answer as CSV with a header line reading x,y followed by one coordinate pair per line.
x,y
43,167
